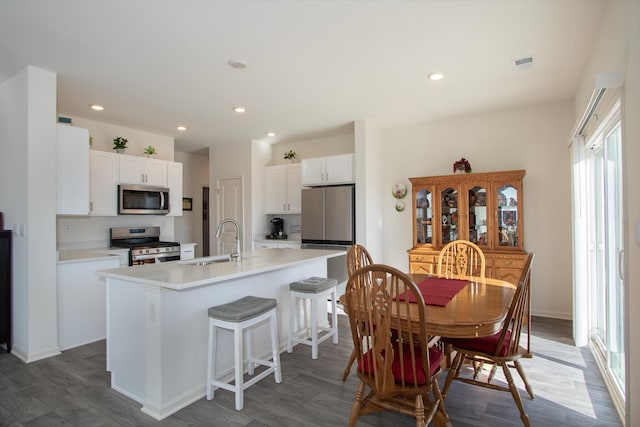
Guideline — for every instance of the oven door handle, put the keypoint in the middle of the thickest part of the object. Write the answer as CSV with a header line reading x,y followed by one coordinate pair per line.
x,y
140,257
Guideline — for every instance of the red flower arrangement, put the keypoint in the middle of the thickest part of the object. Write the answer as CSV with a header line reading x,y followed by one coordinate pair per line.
x,y
462,165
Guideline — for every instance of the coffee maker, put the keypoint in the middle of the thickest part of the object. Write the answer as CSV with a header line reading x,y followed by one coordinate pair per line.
x,y
277,229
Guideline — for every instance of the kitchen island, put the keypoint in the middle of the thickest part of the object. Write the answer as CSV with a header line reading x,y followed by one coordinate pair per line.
x,y
157,323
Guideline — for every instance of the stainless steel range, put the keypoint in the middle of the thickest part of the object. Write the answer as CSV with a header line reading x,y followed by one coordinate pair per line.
x,y
144,244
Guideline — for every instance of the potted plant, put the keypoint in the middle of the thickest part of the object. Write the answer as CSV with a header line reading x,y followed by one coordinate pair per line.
x,y
150,151
119,144
290,155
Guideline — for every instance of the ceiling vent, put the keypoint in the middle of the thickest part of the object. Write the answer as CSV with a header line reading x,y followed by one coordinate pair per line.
x,y
522,63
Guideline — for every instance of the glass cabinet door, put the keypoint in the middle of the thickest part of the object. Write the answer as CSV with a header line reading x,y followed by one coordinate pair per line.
x,y
449,221
423,217
478,215
507,209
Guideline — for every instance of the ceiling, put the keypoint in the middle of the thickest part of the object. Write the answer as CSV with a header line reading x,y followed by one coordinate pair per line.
x,y
313,67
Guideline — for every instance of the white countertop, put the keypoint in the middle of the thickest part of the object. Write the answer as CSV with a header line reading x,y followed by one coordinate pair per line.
x,y
86,255
178,275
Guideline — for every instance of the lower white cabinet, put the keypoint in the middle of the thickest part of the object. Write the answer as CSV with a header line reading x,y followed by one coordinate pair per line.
x,y
187,251
261,244
82,302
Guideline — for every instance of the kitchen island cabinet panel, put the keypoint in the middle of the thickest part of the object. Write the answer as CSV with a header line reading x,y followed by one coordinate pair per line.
x,y
157,321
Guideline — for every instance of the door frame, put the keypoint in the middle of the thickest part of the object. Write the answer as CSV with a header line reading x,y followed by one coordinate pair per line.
x,y
219,210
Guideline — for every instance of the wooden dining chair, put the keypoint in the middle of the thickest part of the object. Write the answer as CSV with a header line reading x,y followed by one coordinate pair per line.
x,y
357,256
461,258
501,349
399,370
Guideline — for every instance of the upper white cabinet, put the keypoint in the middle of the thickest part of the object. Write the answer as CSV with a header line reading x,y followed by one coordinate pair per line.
x,y
104,183
142,170
72,171
328,170
174,182
283,189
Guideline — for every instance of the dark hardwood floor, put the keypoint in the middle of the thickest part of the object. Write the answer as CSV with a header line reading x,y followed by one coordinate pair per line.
x,y
73,389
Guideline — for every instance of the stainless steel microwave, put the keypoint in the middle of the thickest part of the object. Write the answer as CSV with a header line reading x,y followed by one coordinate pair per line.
x,y
142,200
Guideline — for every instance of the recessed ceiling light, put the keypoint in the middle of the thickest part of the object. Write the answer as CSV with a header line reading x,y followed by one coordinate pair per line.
x,y
271,134
237,64
239,109
182,128
435,76
97,107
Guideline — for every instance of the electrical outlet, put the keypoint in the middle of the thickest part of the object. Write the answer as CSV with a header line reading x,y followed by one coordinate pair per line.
x,y
67,226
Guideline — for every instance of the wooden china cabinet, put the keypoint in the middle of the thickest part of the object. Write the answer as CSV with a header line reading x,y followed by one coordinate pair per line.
x,y
485,208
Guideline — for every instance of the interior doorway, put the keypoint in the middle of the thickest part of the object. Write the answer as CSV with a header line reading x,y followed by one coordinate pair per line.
x,y
206,251
230,206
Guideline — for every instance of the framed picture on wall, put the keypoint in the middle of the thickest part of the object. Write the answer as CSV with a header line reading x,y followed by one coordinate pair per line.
x,y
187,204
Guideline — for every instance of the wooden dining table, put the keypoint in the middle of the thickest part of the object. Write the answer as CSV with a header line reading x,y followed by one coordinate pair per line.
x,y
477,310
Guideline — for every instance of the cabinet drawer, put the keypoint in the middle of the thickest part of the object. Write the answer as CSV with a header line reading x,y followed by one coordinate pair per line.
x,y
421,268
426,258
510,275
508,262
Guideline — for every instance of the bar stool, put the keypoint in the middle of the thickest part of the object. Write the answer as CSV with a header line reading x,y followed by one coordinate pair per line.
x,y
316,290
237,316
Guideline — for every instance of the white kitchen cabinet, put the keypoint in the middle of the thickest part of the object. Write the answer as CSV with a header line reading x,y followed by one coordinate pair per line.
x,y
104,183
187,251
174,182
283,189
328,170
72,171
142,170
82,302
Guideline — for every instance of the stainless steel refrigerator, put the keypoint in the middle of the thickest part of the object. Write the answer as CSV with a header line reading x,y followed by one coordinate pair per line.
x,y
328,221
328,216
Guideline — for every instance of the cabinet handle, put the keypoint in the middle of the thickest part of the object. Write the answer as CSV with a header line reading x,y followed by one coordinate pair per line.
x,y
90,206
288,206
284,206
620,266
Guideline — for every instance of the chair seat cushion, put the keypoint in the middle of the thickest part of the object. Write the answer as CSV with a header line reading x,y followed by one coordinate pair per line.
x,y
435,357
242,309
487,345
313,285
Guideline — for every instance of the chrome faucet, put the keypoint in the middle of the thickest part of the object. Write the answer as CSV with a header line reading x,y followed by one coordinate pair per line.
x,y
235,254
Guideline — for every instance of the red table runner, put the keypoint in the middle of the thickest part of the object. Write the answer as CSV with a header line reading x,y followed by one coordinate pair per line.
x,y
437,290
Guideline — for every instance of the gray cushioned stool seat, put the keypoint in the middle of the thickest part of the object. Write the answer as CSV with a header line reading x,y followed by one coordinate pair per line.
x,y
313,285
242,309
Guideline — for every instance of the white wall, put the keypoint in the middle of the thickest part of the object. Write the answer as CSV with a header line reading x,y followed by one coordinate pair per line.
x,y
102,135
195,174
369,182
618,49
316,147
533,139
28,191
